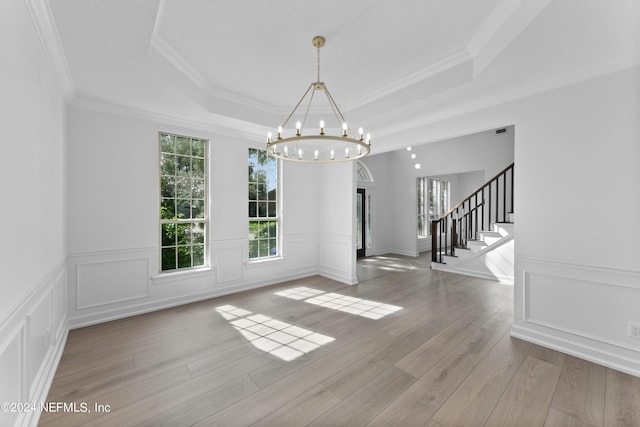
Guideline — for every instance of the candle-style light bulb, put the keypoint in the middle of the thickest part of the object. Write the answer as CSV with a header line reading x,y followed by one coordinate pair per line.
x,y
344,129
361,132
409,148
359,150
279,132
346,152
368,140
300,154
417,166
269,136
286,151
298,128
321,127
413,155
315,155
332,154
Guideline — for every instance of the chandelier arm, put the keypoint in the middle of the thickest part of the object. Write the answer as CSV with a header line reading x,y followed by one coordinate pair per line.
x,y
336,110
306,113
297,105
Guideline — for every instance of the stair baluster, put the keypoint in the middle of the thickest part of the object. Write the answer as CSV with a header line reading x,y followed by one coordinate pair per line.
x,y
465,220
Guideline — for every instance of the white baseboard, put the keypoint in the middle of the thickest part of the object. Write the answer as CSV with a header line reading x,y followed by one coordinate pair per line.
x,y
594,351
148,307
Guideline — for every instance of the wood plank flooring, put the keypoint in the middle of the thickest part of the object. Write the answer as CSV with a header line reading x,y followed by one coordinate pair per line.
x,y
444,359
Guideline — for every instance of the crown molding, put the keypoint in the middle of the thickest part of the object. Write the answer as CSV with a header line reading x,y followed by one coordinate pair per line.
x,y
503,25
609,66
213,93
496,19
241,130
443,65
164,49
48,33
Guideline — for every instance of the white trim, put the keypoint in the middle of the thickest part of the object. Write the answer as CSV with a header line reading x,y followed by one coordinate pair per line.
x,y
21,306
50,39
147,307
244,130
574,265
163,48
496,19
181,65
174,276
606,347
586,351
79,288
608,66
432,70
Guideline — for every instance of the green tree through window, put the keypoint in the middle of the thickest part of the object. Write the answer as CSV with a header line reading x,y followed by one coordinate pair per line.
x,y
183,202
263,205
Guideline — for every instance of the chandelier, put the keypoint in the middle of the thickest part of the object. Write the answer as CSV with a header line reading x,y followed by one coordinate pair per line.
x,y
321,147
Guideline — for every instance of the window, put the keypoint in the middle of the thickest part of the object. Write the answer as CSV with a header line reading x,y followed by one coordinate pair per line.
x,y
183,202
263,205
433,202
423,227
363,174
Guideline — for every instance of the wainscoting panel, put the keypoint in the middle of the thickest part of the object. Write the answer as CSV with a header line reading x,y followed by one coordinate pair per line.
x,y
579,309
336,258
229,260
33,336
108,282
40,328
301,252
12,372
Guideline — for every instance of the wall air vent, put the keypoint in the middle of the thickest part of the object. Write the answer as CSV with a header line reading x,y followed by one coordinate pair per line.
x,y
503,130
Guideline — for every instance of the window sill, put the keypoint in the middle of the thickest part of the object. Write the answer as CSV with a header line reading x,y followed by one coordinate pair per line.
x,y
163,278
257,263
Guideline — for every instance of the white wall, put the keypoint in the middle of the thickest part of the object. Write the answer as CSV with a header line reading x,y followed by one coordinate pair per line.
x,y
465,159
576,191
33,251
337,243
113,219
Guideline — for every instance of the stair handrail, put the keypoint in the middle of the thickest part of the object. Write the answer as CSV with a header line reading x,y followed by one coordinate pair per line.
x,y
462,229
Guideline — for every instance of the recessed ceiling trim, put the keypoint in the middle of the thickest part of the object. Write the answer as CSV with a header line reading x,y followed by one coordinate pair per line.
x,y
165,50
49,37
503,25
615,64
244,130
445,64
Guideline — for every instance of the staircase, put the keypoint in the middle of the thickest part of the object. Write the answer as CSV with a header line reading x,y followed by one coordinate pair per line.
x,y
476,237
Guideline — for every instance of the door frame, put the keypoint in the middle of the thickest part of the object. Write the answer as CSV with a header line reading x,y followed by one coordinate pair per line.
x,y
361,253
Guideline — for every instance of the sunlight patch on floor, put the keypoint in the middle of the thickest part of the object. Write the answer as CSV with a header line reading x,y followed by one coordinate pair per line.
x,y
281,339
347,304
387,263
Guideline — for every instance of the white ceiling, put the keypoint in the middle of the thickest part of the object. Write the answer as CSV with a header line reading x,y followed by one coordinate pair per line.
x,y
243,64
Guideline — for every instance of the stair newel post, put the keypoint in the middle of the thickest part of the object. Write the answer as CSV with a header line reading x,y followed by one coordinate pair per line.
x,y
482,212
446,234
475,224
490,184
440,238
512,167
454,236
504,197
434,243
498,199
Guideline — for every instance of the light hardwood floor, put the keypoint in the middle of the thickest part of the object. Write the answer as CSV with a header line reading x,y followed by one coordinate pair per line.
x,y
444,359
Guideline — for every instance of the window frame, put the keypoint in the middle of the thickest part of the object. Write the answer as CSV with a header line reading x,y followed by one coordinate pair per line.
x,y
424,209
204,208
277,218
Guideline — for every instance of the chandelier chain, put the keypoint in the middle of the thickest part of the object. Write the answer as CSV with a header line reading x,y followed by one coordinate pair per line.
x,y
318,48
